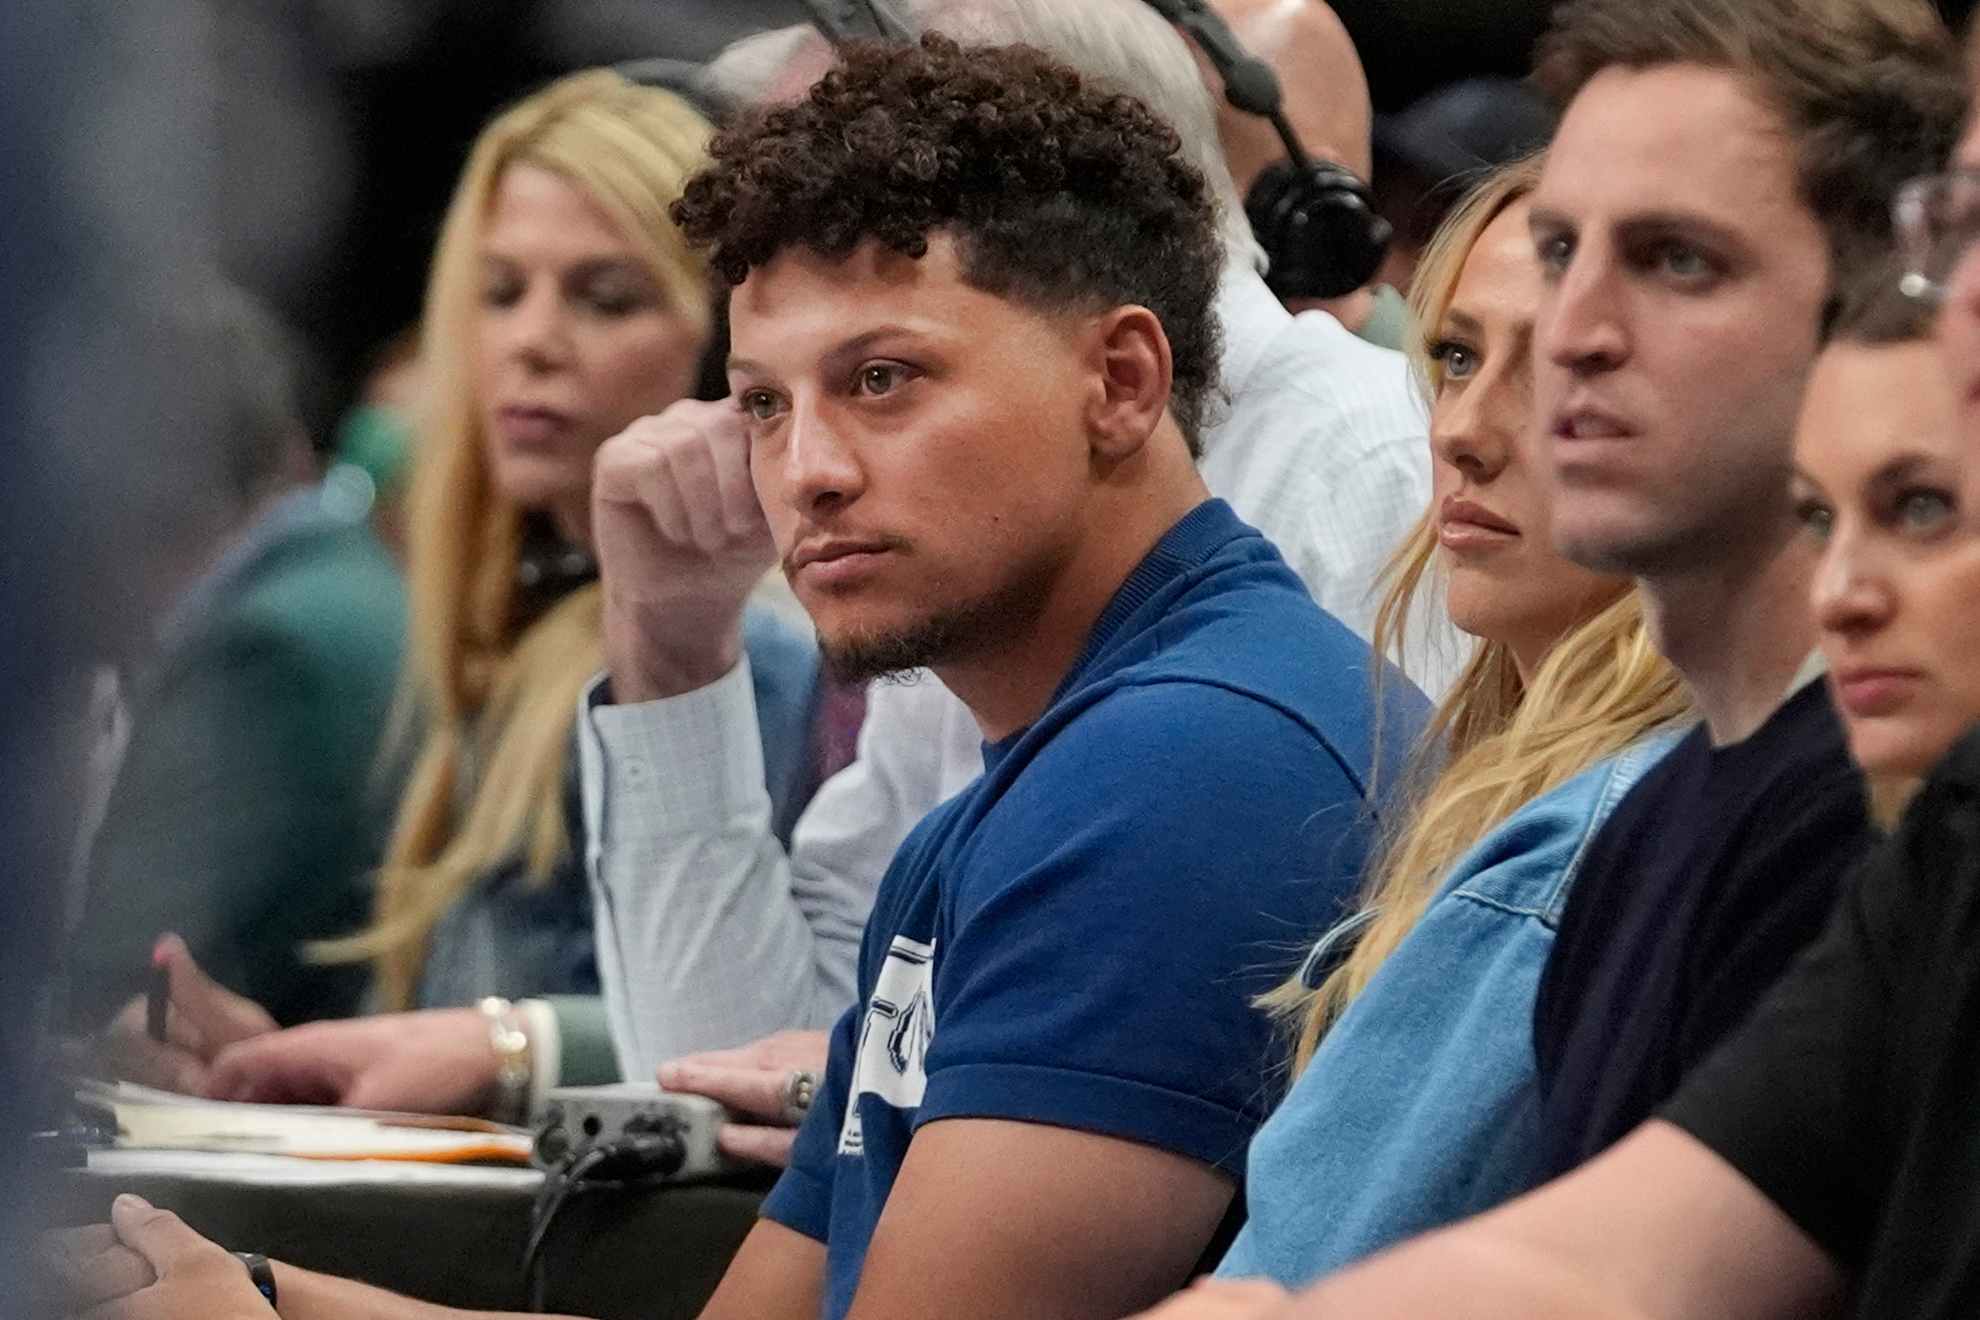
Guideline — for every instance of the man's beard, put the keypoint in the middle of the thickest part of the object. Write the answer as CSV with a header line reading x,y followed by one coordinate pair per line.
x,y
865,655
962,632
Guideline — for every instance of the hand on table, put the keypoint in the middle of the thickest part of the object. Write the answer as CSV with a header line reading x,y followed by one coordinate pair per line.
x,y
177,1274
203,1018
681,543
78,1268
434,1061
1222,1299
752,1080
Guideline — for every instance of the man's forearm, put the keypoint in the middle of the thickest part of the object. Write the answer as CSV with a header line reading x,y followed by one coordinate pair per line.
x,y
306,1295
1658,1226
778,1274
1463,1275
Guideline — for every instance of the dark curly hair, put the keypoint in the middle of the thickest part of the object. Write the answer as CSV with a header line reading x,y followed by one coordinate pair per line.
x,y
1060,197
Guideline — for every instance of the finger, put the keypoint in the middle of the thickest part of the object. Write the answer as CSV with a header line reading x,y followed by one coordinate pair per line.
x,y
658,486
159,1236
130,1054
765,1145
711,461
216,1015
61,1244
742,511
612,474
758,1092
744,1056
116,1271
86,1266
282,1068
790,1049
699,490
621,459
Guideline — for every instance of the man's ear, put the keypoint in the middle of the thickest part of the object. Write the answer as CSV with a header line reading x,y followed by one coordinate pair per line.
x,y
1131,354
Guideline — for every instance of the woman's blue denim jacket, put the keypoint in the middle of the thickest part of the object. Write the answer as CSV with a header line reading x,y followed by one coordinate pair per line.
x,y
1420,1108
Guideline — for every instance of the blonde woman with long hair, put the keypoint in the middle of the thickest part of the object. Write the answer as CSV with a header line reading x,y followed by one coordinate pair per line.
x,y
563,305
1414,1104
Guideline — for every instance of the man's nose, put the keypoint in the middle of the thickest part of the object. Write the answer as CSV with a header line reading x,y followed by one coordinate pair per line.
x,y
821,467
1581,325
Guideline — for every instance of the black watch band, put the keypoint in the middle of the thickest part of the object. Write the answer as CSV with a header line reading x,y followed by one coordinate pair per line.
x,y
260,1272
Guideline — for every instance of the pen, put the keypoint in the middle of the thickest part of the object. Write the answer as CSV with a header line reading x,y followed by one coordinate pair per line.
x,y
157,1001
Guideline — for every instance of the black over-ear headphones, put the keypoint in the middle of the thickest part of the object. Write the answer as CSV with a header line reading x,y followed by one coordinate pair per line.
x,y
856,20
1316,220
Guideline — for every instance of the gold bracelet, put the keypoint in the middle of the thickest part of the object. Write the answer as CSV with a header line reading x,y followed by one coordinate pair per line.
x,y
514,1063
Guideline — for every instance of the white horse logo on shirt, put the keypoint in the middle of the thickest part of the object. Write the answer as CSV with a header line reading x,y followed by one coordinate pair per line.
x,y
893,1037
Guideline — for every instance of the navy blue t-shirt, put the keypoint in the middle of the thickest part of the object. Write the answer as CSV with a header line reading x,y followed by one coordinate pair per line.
x,y
1076,938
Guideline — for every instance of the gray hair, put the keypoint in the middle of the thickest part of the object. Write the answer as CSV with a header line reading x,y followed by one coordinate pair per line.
x,y
1121,44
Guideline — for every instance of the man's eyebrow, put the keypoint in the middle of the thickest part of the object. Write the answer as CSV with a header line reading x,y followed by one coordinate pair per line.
x,y
1684,222
856,347
1539,217
844,354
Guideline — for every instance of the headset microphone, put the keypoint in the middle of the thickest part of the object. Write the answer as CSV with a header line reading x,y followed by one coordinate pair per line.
x,y
1316,220
861,20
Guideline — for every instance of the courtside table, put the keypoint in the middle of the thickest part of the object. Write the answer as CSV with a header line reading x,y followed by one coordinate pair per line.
x,y
447,1234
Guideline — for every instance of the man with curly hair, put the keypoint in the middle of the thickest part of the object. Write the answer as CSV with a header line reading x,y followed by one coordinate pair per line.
x,y
972,336
972,331
1314,437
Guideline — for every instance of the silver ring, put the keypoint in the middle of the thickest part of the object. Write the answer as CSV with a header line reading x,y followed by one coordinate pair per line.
x,y
800,1089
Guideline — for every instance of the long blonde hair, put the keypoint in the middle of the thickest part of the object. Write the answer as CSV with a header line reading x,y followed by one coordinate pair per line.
x,y
1502,744
493,704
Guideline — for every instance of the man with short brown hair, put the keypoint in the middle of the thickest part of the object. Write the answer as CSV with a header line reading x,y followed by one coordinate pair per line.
x,y
1719,166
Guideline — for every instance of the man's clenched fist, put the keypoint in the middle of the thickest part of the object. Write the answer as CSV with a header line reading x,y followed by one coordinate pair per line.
x,y
681,542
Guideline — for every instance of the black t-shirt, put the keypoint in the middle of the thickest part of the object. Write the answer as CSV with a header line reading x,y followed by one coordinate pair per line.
x,y
1852,1098
1708,878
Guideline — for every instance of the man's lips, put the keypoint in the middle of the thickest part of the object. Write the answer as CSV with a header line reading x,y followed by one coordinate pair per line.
x,y
1584,423
1868,691
1465,527
830,560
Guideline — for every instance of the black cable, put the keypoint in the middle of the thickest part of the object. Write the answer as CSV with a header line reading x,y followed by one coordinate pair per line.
x,y
862,20
656,1152
1249,83
558,1184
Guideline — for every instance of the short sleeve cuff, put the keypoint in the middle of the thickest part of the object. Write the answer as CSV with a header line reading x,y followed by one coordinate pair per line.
x,y
668,767
1092,1102
801,1203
